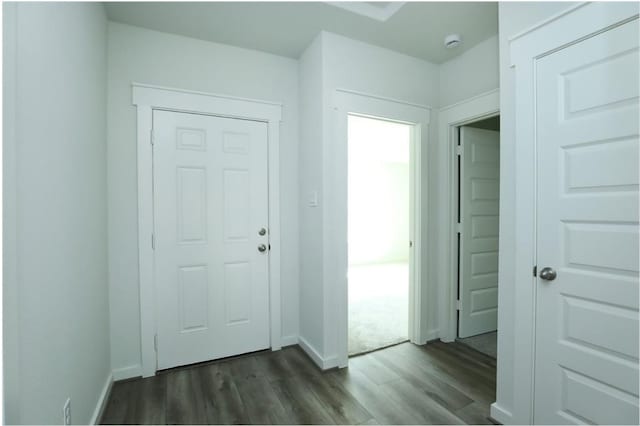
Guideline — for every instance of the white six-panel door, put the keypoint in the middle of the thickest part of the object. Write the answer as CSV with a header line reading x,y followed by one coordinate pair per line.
x,y
479,209
210,205
586,348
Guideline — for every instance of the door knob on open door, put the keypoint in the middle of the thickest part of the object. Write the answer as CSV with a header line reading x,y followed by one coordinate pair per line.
x,y
548,274
262,248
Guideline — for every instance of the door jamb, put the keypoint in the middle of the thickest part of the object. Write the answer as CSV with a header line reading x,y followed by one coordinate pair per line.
x,y
147,98
477,108
348,102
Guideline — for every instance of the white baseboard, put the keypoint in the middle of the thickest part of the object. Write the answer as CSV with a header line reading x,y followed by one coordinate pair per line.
x,y
501,415
102,400
427,337
331,362
127,372
445,337
288,340
323,363
310,350
432,335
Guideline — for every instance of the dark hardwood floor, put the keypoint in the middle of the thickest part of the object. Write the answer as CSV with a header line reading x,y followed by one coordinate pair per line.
x,y
405,384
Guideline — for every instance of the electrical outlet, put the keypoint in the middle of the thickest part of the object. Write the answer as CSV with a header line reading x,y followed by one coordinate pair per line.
x,y
66,411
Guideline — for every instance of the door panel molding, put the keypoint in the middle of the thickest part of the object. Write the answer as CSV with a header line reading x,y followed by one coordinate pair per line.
x,y
574,25
147,98
211,279
479,218
586,325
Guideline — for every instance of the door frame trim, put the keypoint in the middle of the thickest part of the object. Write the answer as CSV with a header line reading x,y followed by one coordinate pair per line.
x,y
479,107
347,102
149,97
457,245
562,30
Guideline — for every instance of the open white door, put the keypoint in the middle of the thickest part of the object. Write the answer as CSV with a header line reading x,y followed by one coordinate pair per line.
x,y
479,210
586,349
211,237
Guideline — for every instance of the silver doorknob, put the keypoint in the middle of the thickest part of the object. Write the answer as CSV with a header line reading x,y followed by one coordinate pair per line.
x,y
548,274
262,248
262,231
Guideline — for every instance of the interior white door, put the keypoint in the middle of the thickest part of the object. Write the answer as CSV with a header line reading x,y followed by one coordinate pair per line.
x,y
479,213
586,348
211,257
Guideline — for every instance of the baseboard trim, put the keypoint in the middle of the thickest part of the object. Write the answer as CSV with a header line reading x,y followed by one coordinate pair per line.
x,y
310,350
432,335
331,362
444,336
288,340
501,415
322,363
127,372
428,337
102,401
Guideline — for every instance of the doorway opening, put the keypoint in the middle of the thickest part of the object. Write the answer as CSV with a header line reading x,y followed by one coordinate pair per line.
x,y
379,229
478,175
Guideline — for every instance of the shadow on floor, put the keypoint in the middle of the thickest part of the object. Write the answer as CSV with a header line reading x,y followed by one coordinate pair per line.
x,y
486,343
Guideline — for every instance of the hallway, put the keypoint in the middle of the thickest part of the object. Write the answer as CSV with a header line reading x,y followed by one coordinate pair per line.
x,y
405,384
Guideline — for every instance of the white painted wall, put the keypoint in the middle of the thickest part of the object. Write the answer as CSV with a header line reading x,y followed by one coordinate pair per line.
x,y
362,67
470,74
55,226
10,315
310,168
146,56
514,17
64,179
357,66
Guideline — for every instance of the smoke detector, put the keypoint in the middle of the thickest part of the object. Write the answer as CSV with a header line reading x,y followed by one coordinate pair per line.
x,y
452,40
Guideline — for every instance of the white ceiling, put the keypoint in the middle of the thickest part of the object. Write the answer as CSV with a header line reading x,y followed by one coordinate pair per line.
x,y
281,28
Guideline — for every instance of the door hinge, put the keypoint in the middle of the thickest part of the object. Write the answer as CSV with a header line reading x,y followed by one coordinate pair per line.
x,y
535,270
459,150
410,244
151,137
458,305
153,241
459,228
155,342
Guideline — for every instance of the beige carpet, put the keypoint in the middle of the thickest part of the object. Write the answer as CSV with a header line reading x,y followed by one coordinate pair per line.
x,y
378,306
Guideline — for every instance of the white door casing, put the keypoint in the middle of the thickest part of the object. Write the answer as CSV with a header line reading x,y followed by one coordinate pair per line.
x,y
146,98
479,213
210,205
335,252
586,357
450,118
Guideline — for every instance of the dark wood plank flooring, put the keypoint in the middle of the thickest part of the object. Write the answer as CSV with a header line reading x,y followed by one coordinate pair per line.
x,y
405,384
